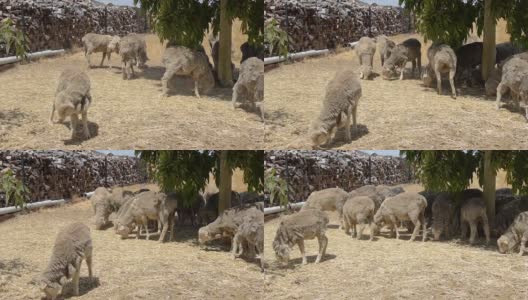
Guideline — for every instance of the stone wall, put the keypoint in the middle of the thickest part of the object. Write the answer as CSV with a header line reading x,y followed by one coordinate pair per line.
x,y
326,24
58,24
61,174
309,171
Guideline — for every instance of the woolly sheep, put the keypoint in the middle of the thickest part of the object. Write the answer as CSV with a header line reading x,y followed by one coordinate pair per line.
x,y
249,88
250,232
442,59
365,49
515,79
385,47
409,50
472,211
133,49
72,98
342,96
106,44
183,61
516,235
357,212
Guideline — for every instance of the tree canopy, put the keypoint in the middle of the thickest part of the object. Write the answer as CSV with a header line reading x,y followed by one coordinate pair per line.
x,y
185,22
451,22
188,171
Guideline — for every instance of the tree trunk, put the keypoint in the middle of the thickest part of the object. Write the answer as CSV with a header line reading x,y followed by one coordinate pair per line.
x,y
488,53
225,183
225,75
489,186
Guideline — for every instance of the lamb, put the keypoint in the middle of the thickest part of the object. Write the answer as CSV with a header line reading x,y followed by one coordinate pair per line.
x,y
250,232
72,245
406,206
409,50
149,206
342,97
365,49
471,212
183,61
358,211
442,59
249,88
294,229
385,47
515,79
516,235
72,98
133,48
106,44
227,224
442,210
209,212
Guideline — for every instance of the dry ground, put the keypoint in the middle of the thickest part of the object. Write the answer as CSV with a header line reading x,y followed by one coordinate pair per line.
x,y
393,269
125,114
123,269
391,114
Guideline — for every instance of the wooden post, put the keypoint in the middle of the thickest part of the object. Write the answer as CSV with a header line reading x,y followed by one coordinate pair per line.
x,y
225,183
488,53
225,74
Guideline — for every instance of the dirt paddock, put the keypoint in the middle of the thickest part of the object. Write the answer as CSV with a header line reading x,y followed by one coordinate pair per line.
x,y
391,114
393,269
123,269
125,114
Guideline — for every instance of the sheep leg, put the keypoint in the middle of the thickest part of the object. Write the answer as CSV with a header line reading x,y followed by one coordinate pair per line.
x,y
501,88
260,107
361,228
108,59
85,124
323,242
87,54
438,81
394,222
301,248
452,83
89,263
348,136
371,228
416,221
132,74
169,73
76,276
102,60
163,232
234,100
147,229
73,124
472,232
171,226
196,92
524,239
485,224
52,114
235,244
124,69
424,224
402,70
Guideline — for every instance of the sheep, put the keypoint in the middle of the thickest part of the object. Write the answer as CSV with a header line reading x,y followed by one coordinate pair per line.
x,y
358,211
409,50
505,50
294,229
209,212
101,207
93,42
249,88
442,211
493,81
471,212
442,59
510,207
250,232
515,79
72,245
72,98
342,96
183,61
406,206
330,199
133,48
385,47
365,49
189,210
516,235
149,206
468,57
249,51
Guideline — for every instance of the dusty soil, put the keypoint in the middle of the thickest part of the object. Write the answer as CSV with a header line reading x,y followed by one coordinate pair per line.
x,y
391,114
125,114
123,269
393,269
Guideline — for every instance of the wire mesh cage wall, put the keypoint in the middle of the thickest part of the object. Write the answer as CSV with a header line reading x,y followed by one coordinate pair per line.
x,y
62,174
307,171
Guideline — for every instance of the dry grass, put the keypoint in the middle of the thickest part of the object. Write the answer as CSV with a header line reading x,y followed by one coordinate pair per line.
x,y
391,114
123,269
125,114
393,269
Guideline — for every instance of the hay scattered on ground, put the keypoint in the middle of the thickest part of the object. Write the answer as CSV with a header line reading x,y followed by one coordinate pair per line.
x,y
123,269
125,114
391,114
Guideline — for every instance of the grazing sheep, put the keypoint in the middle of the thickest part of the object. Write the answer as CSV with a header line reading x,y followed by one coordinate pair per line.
x,y
183,61
365,49
474,210
294,229
209,212
468,57
342,97
358,211
133,49
515,79
442,211
385,47
72,245
248,91
507,209
149,206
517,235
442,59
493,81
409,50
72,98
250,232
106,44
403,207
227,224
101,207
326,199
